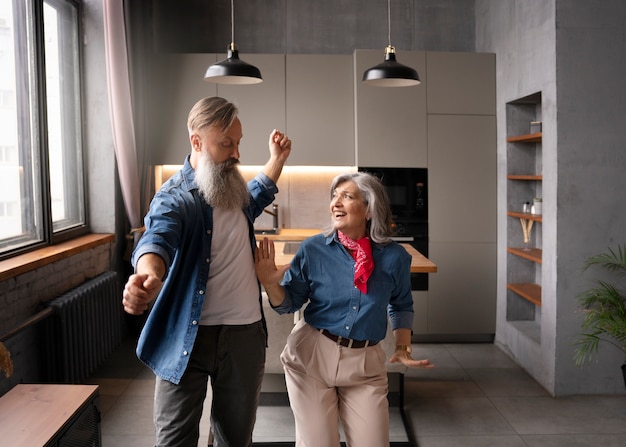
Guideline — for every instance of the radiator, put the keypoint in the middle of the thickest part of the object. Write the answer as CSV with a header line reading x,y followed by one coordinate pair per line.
x,y
84,329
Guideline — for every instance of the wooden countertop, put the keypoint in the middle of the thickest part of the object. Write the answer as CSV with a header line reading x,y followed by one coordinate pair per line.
x,y
419,263
290,234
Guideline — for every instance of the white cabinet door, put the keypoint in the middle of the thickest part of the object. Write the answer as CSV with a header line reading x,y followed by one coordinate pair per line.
x,y
390,121
261,106
320,109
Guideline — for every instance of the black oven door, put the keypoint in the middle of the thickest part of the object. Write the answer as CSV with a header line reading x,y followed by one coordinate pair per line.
x,y
407,189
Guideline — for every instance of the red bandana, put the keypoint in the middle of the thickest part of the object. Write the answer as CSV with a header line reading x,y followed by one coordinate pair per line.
x,y
362,254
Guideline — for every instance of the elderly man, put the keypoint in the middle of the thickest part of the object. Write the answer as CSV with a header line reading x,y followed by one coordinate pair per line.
x,y
194,266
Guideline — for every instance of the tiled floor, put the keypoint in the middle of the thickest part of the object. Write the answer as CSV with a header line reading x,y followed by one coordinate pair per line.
x,y
476,396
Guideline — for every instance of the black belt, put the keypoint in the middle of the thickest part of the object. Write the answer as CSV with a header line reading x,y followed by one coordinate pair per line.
x,y
348,342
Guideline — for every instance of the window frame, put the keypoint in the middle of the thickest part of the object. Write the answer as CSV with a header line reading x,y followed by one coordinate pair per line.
x,y
42,199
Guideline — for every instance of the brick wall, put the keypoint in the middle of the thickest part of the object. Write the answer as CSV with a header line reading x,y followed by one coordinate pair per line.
x,y
23,296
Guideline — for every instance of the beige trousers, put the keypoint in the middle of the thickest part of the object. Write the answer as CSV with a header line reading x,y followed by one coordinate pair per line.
x,y
328,383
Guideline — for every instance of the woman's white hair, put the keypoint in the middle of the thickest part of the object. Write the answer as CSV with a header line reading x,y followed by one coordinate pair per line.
x,y
379,226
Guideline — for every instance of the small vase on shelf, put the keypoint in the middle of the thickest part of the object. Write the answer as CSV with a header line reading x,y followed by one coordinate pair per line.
x,y
537,206
527,226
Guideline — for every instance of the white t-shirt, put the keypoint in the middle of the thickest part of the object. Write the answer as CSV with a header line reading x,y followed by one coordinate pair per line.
x,y
232,292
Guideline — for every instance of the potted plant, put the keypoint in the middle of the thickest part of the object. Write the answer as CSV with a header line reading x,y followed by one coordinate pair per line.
x,y
604,306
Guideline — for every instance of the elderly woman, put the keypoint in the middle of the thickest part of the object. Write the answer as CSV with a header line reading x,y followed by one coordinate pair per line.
x,y
351,277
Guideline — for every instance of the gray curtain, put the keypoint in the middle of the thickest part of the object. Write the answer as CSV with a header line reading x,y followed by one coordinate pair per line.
x,y
124,44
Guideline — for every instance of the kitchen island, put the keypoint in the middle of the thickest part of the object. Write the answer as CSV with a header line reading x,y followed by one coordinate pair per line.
x,y
283,243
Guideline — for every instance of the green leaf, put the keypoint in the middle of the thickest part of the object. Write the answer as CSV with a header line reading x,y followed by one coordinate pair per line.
x,y
604,306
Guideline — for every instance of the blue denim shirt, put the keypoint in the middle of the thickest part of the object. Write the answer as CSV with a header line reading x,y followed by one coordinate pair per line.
x,y
322,276
179,226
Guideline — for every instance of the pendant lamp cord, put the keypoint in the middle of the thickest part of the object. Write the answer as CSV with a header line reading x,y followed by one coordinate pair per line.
x,y
389,21
232,21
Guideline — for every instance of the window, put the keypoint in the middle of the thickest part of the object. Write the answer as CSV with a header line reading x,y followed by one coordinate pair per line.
x,y
41,169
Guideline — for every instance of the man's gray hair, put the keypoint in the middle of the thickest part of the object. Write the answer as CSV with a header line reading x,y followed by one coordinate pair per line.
x,y
211,111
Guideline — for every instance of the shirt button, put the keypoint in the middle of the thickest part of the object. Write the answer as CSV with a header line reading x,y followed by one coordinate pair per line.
x,y
201,292
347,327
194,322
208,231
207,260
184,352
353,307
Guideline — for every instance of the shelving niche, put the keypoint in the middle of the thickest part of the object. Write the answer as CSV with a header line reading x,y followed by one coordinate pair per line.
x,y
524,182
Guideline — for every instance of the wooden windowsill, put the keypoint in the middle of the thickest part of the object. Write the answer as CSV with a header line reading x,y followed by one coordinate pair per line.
x,y
27,262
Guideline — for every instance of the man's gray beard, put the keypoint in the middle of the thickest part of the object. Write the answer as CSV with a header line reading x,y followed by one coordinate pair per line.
x,y
221,184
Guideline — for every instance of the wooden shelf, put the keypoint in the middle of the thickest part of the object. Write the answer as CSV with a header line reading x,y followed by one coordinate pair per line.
x,y
532,254
535,217
530,292
527,138
524,177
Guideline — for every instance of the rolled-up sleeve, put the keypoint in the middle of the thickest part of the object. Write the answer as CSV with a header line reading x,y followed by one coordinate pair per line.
x,y
400,309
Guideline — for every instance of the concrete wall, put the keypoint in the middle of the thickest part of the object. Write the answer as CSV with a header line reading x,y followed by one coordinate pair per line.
x,y
521,33
591,182
566,49
313,27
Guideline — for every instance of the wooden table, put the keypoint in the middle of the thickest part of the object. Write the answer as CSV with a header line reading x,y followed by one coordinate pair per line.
x,y
40,415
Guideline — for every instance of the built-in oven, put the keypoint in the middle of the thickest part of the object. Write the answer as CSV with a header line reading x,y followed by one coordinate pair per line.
x,y
407,189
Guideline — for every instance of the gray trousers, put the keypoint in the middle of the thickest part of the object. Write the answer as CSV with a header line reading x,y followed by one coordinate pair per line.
x,y
234,359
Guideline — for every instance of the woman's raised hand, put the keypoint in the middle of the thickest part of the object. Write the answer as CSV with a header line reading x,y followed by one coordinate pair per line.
x,y
265,264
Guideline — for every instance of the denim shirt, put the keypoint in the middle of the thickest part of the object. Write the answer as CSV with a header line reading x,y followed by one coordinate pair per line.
x,y
322,276
179,228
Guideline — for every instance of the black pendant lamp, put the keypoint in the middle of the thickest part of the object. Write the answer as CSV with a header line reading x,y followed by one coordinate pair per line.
x,y
390,73
233,70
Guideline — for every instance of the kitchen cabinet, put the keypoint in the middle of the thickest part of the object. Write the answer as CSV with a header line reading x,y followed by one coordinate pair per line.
x,y
310,97
461,301
461,83
524,182
320,109
447,124
390,123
